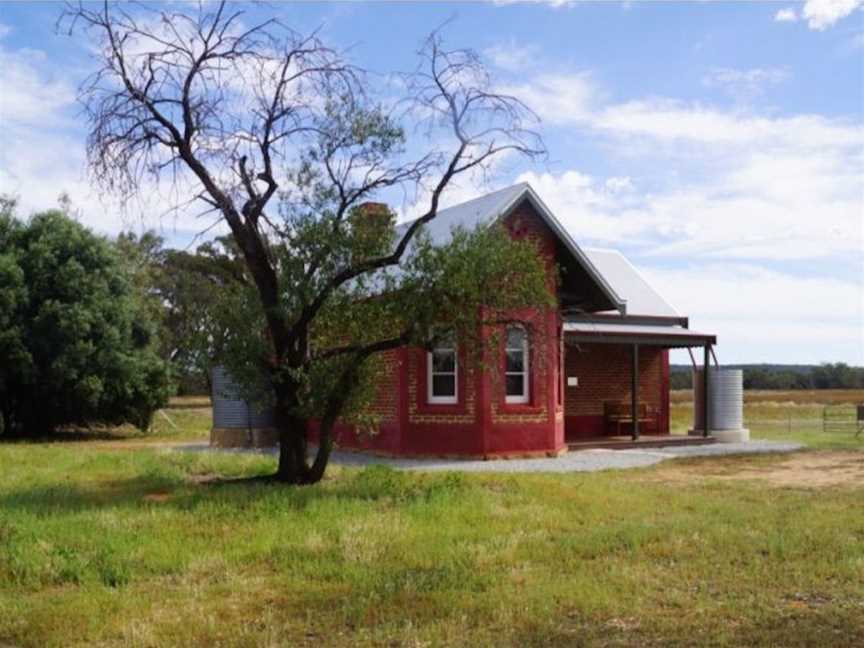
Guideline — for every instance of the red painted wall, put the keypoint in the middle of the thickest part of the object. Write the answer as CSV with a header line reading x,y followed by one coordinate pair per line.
x,y
482,424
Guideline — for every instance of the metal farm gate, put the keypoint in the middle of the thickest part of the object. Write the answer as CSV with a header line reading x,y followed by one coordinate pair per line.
x,y
843,418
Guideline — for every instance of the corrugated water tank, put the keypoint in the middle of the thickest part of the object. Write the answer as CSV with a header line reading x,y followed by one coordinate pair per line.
x,y
726,403
237,422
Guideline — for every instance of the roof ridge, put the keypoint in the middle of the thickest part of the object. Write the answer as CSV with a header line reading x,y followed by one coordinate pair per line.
x,y
603,249
486,196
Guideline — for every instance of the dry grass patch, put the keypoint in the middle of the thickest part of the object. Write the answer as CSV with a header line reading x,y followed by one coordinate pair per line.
x,y
796,396
824,469
184,402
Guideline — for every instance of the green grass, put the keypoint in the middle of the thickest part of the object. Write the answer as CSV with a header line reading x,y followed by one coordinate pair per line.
x,y
138,548
779,421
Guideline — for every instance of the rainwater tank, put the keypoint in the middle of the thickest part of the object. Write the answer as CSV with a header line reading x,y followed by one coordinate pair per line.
x,y
725,404
237,422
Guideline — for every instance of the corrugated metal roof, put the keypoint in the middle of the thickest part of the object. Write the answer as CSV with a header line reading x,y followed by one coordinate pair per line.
x,y
629,284
479,211
658,332
488,208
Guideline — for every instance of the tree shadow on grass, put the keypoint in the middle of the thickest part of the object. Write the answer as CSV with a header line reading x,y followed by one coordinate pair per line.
x,y
76,434
188,492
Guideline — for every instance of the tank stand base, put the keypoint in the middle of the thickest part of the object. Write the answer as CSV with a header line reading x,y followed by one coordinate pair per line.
x,y
244,438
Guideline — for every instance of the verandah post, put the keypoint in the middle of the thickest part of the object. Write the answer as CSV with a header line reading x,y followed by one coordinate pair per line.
x,y
706,400
634,391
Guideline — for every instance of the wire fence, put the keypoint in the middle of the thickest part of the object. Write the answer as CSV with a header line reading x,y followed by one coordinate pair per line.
x,y
838,419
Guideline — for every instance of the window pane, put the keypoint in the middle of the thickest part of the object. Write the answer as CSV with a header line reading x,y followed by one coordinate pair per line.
x,y
515,361
515,338
443,361
443,385
515,385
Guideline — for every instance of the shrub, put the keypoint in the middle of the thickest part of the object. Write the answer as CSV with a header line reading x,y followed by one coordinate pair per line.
x,y
76,345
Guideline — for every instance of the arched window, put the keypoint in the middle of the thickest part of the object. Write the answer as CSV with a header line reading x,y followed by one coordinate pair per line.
x,y
442,373
516,365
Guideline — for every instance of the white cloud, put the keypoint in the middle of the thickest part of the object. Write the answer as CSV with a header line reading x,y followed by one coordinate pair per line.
x,y
42,152
31,91
558,98
593,210
511,56
768,316
745,83
669,119
735,184
757,207
821,14
618,185
694,247
786,15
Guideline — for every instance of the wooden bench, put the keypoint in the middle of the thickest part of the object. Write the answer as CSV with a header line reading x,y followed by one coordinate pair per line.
x,y
616,412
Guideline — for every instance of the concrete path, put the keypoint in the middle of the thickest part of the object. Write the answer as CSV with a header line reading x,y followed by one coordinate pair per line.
x,y
579,461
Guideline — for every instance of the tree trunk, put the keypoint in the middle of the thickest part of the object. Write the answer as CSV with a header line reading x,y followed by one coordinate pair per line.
x,y
293,444
293,467
325,446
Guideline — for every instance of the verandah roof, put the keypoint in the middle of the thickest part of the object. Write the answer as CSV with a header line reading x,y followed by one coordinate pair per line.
x,y
654,335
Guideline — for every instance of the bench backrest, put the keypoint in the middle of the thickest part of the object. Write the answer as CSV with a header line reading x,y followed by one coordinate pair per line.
x,y
618,408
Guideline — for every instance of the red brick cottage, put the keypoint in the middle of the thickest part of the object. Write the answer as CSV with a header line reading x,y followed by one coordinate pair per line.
x,y
574,373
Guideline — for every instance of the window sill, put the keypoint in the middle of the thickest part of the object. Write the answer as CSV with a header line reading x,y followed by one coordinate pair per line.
x,y
426,407
520,408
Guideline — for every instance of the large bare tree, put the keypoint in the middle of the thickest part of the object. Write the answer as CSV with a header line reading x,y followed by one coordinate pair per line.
x,y
280,137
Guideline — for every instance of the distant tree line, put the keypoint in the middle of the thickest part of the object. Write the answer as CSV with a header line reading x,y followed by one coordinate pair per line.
x,y
785,377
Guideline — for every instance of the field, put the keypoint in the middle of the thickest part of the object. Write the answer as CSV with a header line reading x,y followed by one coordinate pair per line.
x,y
121,541
795,397
782,415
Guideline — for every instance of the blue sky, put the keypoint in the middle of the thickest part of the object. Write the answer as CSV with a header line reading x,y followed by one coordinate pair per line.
x,y
720,145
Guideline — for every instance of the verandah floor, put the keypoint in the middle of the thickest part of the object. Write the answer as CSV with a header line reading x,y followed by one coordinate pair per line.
x,y
625,442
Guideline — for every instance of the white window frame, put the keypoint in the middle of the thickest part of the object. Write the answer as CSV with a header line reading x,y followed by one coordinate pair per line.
x,y
430,373
525,396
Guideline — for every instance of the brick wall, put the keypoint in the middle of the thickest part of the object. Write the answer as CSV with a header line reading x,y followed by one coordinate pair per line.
x,y
481,423
385,405
604,373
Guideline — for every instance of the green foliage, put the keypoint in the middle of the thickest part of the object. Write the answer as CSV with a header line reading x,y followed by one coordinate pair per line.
x,y
473,280
189,295
76,341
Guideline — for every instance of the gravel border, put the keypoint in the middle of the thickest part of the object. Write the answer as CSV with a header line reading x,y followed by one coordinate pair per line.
x,y
577,461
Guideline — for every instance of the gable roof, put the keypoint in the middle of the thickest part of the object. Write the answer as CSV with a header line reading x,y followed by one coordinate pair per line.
x,y
629,284
491,207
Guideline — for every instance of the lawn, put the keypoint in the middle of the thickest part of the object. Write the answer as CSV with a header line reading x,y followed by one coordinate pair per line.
x,y
101,545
